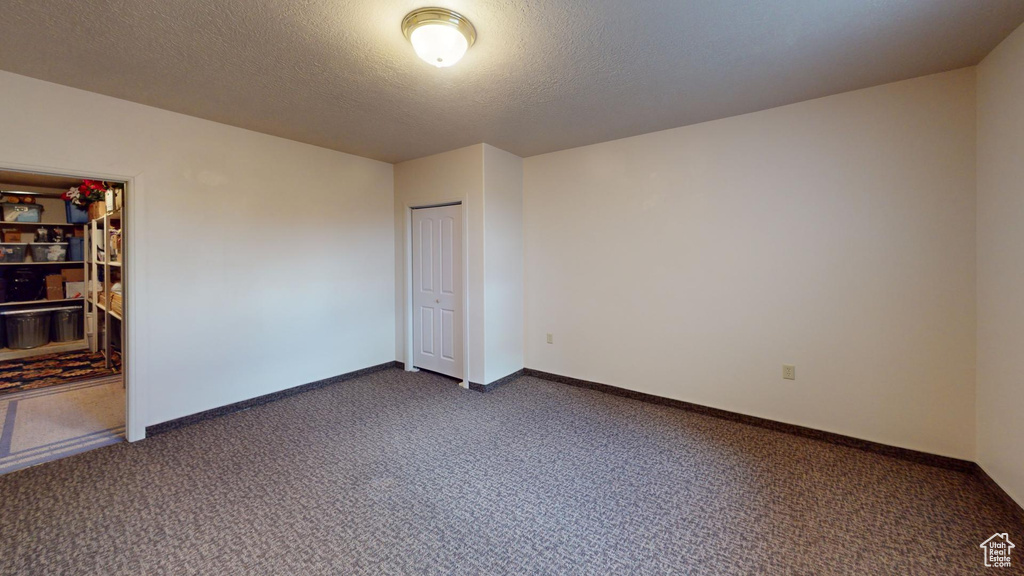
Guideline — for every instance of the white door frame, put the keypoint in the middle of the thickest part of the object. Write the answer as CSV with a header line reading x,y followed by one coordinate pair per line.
x,y
135,406
408,208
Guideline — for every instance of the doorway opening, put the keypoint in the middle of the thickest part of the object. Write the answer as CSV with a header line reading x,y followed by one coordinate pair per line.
x,y
62,316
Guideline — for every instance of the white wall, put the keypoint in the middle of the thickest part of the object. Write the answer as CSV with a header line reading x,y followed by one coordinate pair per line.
x,y
457,175
836,234
1001,264
489,183
262,263
503,263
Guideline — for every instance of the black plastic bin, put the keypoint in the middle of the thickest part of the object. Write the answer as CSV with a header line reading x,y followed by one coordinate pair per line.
x,y
67,324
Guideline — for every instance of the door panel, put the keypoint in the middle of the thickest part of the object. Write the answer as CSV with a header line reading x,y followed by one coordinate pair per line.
x,y
437,289
448,335
447,250
426,331
427,255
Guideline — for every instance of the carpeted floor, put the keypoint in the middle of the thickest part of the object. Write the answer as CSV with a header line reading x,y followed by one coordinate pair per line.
x,y
400,473
42,371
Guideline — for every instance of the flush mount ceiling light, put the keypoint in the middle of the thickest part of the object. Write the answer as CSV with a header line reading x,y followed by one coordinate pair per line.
x,y
439,36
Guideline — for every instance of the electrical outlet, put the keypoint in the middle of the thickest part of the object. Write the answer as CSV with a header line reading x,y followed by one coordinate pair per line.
x,y
789,372
551,339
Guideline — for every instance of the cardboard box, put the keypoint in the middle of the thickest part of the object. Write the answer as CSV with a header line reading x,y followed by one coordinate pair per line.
x,y
55,287
12,235
74,289
73,274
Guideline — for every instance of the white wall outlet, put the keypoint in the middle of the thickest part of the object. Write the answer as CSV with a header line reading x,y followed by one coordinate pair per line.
x,y
789,372
551,338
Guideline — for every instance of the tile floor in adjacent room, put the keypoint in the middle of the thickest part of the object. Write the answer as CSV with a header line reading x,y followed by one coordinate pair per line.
x,y
38,426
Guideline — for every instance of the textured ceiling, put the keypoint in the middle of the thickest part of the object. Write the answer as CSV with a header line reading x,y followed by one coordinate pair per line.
x,y
544,75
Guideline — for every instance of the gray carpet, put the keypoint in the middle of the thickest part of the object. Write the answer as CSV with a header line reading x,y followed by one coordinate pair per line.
x,y
399,473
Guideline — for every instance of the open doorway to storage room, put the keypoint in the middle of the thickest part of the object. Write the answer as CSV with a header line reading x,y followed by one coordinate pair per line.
x,y
62,389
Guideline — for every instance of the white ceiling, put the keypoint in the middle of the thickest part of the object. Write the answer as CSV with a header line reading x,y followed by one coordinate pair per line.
x,y
544,75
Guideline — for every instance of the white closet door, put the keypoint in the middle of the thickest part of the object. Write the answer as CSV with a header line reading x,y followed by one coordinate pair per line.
x,y
437,289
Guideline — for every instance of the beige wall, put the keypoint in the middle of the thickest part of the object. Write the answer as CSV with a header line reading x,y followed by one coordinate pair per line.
x,y
836,234
503,264
488,182
1001,264
260,263
448,177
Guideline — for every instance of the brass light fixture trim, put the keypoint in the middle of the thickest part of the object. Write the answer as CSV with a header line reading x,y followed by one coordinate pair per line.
x,y
422,16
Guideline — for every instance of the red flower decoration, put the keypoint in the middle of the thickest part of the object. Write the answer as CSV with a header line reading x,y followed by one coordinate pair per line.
x,y
88,191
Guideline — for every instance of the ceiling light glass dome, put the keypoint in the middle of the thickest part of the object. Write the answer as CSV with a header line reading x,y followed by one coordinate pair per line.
x,y
439,36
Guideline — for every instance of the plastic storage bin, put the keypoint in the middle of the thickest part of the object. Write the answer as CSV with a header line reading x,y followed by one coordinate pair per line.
x,y
27,329
76,249
76,215
22,212
49,251
10,252
67,325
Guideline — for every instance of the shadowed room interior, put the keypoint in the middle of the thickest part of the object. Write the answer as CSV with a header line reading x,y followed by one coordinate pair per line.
x,y
530,287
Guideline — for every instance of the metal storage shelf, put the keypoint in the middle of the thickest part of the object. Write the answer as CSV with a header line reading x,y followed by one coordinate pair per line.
x,y
98,314
45,268
31,302
38,224
51,348
62,263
